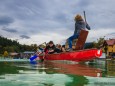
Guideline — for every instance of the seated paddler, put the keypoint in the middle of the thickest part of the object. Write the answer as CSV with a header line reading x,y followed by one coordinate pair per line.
x,y
50,48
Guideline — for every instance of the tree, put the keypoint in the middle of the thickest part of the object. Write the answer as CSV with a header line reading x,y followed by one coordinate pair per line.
x,y
5,54
14,46
99,43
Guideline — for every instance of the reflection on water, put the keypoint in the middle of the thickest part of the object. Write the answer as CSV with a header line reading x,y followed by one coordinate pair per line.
x,y
36,79
111,67
58,73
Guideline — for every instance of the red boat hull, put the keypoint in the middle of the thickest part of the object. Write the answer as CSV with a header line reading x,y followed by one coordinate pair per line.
x,y
80,55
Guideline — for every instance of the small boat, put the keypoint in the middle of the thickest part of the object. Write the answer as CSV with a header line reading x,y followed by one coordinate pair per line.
x,y
79,55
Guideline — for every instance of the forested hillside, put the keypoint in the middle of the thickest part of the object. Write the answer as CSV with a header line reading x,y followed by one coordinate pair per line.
x,y
14,46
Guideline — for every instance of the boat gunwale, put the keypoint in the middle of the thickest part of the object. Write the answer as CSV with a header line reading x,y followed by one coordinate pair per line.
x,y
74,51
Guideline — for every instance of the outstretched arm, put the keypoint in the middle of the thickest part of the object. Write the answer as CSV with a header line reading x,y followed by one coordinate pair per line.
x,y
88,27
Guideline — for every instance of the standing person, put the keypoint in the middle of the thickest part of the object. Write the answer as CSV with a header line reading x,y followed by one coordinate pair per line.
x,y
50,49
79,25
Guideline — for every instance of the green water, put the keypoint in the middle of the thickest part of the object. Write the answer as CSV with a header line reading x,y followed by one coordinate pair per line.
x,y
55,74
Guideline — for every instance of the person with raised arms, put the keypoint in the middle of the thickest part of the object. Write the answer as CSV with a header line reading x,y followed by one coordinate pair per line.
x,y
79,25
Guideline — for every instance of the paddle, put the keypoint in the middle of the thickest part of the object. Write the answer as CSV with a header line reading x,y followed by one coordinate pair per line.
x,y
35,56
84,16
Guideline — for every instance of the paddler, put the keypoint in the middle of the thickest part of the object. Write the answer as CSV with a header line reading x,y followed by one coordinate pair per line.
x,y
50,48
79,25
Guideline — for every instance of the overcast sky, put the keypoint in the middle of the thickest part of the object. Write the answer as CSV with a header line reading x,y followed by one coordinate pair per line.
x,y
38,21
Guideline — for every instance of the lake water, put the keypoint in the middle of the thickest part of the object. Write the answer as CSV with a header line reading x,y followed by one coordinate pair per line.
x,y
56,73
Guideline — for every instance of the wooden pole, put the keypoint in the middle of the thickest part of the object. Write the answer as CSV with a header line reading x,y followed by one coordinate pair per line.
x,y
84,16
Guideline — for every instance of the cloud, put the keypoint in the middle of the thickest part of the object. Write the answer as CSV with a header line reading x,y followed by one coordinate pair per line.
x,y
25,37
39,39
42,17
5,20
9,30
113,33
110,35
101,32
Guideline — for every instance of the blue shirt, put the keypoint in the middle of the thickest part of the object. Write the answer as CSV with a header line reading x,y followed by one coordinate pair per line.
x,y
80,25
